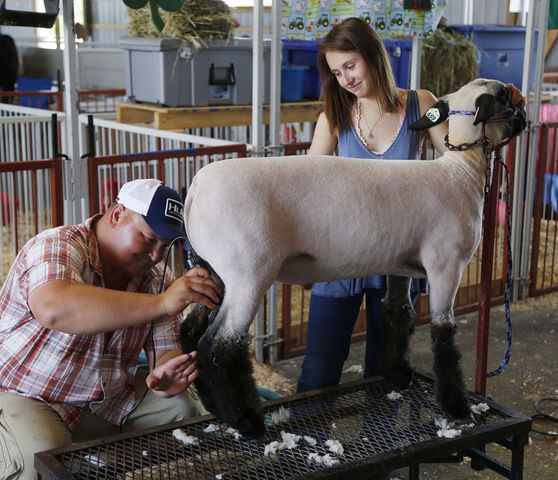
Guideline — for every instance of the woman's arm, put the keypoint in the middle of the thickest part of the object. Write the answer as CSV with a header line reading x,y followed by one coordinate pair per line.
x,y
438,133
324,140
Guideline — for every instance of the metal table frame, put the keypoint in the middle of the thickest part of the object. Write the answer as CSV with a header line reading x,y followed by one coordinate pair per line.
x,y
378,434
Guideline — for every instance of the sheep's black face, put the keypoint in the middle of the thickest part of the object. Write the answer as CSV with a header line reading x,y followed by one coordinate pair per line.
x,y
505,106
225,383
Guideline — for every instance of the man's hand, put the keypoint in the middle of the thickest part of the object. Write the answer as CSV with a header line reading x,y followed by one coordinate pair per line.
x,y
173,376
195,286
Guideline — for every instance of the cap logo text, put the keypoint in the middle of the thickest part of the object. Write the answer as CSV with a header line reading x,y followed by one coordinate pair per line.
x,y
174,209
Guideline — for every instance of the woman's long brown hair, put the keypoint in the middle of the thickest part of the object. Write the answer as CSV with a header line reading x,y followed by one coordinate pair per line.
x,y
353,35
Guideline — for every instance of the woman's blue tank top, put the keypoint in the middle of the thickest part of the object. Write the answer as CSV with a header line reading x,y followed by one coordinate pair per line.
x,y
406,145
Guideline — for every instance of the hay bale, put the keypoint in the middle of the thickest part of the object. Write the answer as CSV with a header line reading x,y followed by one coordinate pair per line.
x,y
196,21
449,61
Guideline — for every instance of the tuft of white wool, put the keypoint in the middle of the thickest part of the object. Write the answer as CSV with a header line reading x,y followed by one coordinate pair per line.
x,y
318,459
289,441
480,408
310,440
334,446
212,427
393,395
448,429
235,433
281,415
272,448
183,437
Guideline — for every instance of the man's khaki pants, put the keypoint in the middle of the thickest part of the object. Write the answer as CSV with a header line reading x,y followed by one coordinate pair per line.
x,y
29,426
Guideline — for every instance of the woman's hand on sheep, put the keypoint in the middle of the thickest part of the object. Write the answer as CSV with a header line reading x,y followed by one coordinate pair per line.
x,y
195,286
173,376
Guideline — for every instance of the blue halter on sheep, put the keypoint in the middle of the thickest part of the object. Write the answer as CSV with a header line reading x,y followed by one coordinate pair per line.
x,y
317,218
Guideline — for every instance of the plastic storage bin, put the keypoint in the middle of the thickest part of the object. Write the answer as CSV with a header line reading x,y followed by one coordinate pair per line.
x,y
292,82
400,56
501,50
305,52
161,70
34,84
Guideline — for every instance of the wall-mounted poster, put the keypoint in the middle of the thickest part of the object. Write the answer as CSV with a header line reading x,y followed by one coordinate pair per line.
x,y
311,19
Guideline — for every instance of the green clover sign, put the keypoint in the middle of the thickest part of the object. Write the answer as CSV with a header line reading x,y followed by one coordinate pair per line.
x,y
167,5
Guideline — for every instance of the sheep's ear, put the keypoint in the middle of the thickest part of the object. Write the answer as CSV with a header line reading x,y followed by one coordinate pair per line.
x,y
486,108
436,114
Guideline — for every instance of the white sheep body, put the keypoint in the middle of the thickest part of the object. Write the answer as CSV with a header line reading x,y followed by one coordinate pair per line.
x,y
318,218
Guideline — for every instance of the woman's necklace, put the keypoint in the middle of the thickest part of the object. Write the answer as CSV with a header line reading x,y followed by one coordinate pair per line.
x,y
370,135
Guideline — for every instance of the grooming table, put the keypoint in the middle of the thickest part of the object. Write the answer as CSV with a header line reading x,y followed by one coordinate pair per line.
x,y
377,435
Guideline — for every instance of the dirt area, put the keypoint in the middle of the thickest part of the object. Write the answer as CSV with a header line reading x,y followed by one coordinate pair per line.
x,y
531,374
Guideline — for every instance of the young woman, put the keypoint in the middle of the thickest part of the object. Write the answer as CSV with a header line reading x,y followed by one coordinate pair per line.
x,y
364,115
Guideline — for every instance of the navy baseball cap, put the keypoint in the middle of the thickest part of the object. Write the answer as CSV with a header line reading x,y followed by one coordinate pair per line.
x,y
161,206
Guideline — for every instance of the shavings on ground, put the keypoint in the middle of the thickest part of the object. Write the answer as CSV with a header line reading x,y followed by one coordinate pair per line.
x,y
219,476
181,436
333,425
334,446
480,408
393,395
354,369
212,427
281,415
266,377
145,453
310,440
318,459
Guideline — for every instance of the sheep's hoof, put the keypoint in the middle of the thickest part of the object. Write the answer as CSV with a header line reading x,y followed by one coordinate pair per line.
x,y
401,375
250,425
454,403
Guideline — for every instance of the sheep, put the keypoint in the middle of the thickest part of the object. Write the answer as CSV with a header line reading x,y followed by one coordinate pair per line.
x,y
319,218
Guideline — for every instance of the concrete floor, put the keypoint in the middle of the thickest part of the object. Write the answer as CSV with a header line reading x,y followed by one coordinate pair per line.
x,y
531,374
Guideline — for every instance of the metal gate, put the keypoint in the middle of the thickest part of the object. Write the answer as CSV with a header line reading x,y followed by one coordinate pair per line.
x,y
544,251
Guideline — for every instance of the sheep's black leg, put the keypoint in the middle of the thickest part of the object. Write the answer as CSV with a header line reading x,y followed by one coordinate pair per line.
x,y
225,371
449,385
193,328
398,319
225,383
191,331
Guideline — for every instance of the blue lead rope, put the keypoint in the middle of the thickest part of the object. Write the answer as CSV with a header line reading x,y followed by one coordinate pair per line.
x,y
507,356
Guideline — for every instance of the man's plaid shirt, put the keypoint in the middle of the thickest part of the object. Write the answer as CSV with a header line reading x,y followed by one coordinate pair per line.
x,y
71,372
